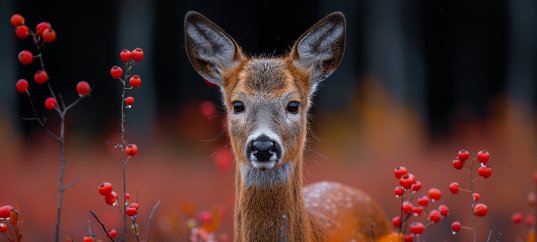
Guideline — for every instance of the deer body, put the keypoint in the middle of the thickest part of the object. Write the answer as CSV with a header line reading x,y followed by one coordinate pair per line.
x,y
267,101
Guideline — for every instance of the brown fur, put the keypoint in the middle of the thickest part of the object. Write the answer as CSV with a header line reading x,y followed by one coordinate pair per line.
x,y
284,212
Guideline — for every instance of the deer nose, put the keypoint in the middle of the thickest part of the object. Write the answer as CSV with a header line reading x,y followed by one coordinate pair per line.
x,y
263,145
263,149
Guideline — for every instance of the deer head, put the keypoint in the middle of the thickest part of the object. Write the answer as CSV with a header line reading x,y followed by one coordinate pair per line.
x,y
267,99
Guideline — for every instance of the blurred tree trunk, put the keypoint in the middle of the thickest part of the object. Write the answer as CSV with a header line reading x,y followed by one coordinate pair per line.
x,y
9,67
523,51
340,88
393,48
136,29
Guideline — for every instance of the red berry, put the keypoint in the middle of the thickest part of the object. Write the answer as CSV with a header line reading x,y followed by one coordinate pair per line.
x,y
444,210
116,72
131,150
454,187
131,211
417,210
135,81
3,228
423,201
5,211
463,155
129,101
83,88
480,209
41,27
456,227
137,54
517,218
135,205
458,164
406,207
22,86
17,20
396,221
409,237
484,171
112,233
125,55
417,228
399,191
41,77
49,35
111,198
105,188
128,197
529,220
476,196
89,238
26,57
207,109
416,186
434,216
205,217
399,172
22,32
435,194
483,156
50,103
407,180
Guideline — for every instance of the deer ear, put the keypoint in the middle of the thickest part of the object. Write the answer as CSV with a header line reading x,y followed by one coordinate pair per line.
x,y
210,49
320,49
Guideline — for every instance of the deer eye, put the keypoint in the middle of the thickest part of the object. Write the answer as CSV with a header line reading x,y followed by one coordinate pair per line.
x,y
292,107
238,107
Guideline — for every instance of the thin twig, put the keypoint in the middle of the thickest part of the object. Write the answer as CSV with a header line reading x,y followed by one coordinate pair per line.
x,y
472,197
490,236
102,225
499,237
36,118
73,104
150,219
71,184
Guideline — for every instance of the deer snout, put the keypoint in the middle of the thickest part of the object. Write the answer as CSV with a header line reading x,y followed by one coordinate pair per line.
x,y
263,152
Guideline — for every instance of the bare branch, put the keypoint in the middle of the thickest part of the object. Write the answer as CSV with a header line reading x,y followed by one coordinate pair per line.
x,y
150,219
102,225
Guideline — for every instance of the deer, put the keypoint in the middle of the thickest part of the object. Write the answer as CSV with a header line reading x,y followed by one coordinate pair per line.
x,y
267,101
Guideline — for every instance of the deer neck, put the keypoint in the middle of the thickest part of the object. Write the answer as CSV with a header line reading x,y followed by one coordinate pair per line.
x,y
269,204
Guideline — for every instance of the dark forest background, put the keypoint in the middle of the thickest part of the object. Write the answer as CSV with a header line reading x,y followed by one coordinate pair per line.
x,y
447,59
420,80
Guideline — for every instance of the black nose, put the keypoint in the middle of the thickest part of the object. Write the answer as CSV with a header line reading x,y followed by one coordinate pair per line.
x,y
263,149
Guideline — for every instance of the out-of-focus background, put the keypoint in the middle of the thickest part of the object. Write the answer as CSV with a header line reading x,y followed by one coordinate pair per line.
x,y
419,81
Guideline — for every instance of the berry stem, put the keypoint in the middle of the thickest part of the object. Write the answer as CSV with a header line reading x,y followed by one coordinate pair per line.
x,y
102,225
123,163
472,198
60,177
150,219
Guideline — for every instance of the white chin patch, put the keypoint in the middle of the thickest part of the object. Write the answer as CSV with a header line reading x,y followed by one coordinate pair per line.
x,y
263,165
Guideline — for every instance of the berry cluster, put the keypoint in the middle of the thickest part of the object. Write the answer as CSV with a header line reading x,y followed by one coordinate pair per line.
x,y
128,82
415,207
10,224
42,35
483,171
